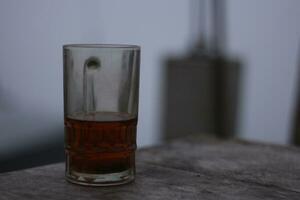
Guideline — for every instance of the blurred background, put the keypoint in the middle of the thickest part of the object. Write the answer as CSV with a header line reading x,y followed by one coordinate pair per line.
x,y
226,68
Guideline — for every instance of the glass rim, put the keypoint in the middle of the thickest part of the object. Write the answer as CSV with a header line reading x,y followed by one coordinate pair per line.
x,y
102,46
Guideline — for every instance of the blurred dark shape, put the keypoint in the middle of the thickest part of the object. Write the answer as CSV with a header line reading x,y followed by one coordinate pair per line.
x,y
296,121
202,88
201,96
41,153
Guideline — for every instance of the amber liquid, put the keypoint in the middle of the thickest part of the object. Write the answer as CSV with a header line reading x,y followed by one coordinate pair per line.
x,y
100,143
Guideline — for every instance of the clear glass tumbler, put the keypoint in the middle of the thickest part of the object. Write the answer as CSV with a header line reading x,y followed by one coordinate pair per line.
x,y
101,92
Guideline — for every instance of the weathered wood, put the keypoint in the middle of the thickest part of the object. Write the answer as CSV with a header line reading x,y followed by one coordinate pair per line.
x,y
183,169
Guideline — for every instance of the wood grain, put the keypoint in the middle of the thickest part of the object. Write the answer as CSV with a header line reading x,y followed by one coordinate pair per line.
x,y
183,169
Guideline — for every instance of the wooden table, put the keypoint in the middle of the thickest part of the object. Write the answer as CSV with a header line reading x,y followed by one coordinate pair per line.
x,y
187,168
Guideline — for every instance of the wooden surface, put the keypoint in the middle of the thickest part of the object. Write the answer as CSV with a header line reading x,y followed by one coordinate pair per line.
x,y
183,169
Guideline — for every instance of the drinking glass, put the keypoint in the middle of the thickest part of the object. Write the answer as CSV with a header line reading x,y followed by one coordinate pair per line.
x,y
101,92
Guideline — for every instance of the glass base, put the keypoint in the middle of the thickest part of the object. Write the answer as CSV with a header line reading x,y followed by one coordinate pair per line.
x,y
101,179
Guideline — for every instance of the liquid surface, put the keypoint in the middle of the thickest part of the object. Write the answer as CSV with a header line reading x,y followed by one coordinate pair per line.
x,y
100,143
101,116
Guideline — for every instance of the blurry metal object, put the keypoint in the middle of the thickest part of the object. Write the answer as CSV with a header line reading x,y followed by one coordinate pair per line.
x,y
201,96
202,88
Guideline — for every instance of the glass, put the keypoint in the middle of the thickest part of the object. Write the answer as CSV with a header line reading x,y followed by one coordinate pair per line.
x,y
101,87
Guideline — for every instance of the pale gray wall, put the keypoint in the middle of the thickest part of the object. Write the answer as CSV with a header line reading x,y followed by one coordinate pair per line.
x,y
32,32
31,36
266,33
